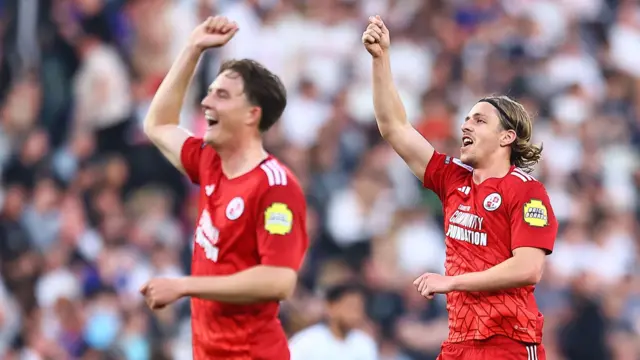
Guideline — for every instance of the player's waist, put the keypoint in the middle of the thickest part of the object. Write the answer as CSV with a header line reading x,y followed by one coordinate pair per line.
x,y
525,328
490,340
238,336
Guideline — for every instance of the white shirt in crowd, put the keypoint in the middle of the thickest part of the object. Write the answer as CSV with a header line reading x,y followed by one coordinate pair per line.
x,y
318,343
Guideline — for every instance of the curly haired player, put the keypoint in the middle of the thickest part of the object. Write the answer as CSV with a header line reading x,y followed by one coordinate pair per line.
x,y
499,225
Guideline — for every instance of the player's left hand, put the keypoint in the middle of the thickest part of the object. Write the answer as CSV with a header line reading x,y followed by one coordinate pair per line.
x,y
429,284
214,32
161,292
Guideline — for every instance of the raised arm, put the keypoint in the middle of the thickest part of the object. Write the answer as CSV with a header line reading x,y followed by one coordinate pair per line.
x,y
161,122
389,110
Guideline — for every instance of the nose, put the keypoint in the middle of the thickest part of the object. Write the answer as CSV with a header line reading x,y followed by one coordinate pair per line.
x,y
465,127
206,102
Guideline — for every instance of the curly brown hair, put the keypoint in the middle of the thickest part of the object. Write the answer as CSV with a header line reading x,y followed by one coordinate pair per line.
x,y
513,116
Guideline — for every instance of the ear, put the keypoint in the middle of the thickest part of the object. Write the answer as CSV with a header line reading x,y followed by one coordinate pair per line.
x,y
255,113
507,137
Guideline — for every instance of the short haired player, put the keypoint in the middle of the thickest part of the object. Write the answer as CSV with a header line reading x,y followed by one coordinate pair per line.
x,y
251,236
499,225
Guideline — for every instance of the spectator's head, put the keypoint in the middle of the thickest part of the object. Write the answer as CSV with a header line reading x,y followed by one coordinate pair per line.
x,y
116,172
47,194
20,109
35,147
308,89
345,306
498,127
14,202
245,100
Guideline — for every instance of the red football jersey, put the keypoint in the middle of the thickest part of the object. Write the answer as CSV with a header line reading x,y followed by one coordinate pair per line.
x,y
258,218
483,224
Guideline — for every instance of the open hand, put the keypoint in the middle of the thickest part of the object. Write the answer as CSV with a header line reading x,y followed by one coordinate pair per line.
x,y
161,292
213,32
376,38
429,284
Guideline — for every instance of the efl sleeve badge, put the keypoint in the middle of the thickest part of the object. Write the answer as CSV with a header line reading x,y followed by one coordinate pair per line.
x,y
535,213
278,219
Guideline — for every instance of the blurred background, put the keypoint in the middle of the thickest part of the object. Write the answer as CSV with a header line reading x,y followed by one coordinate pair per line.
x,y
90,210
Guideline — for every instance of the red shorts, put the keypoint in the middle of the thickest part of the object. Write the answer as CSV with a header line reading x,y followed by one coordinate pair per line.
x,y
494,348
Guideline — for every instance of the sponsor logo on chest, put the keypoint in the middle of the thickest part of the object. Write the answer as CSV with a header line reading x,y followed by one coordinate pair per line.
x,y
467,227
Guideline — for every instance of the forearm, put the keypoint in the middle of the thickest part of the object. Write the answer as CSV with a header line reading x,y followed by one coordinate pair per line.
x,y
389,110
167,103
256,284
512,273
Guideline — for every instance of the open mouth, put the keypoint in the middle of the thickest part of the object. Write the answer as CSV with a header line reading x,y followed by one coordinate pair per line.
x,y
211,120
466,141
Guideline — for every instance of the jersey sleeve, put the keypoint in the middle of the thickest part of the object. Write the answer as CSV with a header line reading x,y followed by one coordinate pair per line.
x,y
190,156
533,223
442,171
281,226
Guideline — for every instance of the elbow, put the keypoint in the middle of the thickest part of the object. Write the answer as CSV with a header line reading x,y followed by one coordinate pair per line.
x,y
152,129
386,131
285,293
148,127
152,123
533,276
286,285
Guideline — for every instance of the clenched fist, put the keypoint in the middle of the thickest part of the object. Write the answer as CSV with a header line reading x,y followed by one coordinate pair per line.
x,y
429,284
213,32
376,38
161,292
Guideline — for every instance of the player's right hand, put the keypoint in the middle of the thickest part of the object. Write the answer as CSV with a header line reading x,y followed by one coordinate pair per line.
x,y
213,32
376,38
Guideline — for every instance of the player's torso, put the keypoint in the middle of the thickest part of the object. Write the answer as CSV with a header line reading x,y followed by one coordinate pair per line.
x,y
225,242
225,237
477,229
476,226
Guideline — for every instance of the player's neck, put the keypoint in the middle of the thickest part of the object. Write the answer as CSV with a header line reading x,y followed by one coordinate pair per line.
x,y
337,331
493,169
240,159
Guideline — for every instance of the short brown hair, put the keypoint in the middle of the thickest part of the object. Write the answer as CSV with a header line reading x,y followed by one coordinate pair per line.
x,y
262,88
513,116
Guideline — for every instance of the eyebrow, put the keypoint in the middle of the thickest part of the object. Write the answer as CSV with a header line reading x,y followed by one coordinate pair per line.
x,y
211,89
474,115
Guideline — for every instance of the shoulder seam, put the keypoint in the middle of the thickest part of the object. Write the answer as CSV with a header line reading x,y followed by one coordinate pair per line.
x,y
460,163
276,174
517,172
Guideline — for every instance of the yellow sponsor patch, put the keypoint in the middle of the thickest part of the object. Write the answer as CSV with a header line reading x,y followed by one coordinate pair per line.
x,y
278,219
535,213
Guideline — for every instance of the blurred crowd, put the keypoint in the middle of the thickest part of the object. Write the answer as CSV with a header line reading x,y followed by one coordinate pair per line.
x,y
90,210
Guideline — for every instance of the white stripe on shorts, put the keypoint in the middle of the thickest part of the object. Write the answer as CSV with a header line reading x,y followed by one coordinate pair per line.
x,y
532,352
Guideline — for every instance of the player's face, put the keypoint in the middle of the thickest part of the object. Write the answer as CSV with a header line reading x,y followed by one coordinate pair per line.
x,y
226,109
349,311
481,134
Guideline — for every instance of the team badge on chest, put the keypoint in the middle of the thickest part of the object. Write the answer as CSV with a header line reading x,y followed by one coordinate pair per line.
x,y
492,202
235,208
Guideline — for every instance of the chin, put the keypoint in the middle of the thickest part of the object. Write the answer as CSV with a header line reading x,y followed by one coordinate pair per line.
x,y
467,159
209,138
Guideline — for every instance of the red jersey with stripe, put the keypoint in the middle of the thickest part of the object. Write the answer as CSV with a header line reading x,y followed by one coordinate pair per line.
x,y
483,224
255,219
